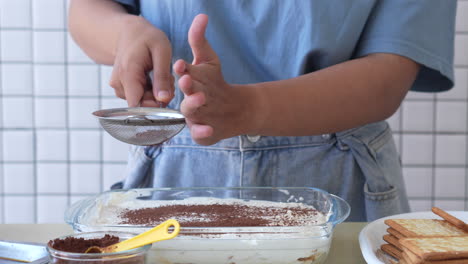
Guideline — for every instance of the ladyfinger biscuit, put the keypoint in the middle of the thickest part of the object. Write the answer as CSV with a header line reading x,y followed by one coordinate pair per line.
x,y
410,259
395,233
450,218
391,250
437,248
392,240
413,259
424,227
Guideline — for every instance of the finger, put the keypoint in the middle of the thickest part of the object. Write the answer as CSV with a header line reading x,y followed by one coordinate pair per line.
x,y
115,83
200,132
148,100
133,79
201,49
163,81
196,72
179,67
185,84
191,104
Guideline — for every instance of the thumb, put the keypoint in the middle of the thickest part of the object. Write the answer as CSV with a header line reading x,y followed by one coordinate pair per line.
x,y
201,49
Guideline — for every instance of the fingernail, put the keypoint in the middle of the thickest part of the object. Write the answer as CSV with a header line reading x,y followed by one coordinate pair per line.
x,y
163,95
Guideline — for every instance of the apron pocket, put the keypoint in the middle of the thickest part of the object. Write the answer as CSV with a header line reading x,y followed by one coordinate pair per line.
x,y
378,204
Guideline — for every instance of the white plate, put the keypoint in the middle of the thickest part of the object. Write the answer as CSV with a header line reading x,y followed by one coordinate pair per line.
x,y
370,238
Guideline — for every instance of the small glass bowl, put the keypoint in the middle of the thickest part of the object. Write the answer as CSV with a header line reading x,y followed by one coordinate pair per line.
x,y
133,256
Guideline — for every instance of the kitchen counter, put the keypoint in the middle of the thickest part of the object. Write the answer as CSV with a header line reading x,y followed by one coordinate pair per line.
x,y
345,245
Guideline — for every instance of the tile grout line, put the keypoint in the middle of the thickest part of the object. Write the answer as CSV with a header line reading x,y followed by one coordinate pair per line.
x,y
64,161
33,120
466,156
434,149
101,135
2,174
400,140
47,62
67,107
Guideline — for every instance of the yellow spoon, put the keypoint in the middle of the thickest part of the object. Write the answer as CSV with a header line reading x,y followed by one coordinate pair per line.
x,y
158,233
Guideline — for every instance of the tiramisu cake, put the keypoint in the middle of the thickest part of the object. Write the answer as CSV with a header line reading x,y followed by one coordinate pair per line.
x,y
213,212
229,230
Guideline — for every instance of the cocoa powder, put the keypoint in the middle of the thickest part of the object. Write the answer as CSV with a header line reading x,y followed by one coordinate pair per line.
x,y
217,215
80,245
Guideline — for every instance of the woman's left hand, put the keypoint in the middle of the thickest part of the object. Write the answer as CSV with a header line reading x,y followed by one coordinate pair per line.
x,y
213,109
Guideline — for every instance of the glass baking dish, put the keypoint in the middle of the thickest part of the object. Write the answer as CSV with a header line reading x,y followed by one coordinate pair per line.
x,y
215,245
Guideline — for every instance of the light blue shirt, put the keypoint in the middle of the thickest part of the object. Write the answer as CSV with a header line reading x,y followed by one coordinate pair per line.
x,y
267,40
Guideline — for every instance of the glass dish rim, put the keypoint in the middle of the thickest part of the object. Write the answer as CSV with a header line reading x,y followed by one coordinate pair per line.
x,y
264,229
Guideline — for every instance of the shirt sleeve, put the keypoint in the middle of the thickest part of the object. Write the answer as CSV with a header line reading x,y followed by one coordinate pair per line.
x,y
422,30
132,6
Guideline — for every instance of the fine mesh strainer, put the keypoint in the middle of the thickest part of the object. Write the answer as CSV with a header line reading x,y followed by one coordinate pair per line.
x,y
144,126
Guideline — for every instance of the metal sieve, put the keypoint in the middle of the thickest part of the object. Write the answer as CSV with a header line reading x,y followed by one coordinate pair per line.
x,y
144,126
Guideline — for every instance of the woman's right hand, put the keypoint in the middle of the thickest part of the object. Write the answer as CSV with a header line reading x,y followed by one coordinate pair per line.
x,y
142,48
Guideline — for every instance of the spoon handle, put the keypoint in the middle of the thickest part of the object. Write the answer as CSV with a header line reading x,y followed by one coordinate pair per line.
x,y
158,233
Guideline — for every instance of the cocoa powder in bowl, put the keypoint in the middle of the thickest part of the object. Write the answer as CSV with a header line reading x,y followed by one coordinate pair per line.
x,y
70,249
80,244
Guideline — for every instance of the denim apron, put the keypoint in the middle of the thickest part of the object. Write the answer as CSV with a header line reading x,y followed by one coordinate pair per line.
x,y
361,165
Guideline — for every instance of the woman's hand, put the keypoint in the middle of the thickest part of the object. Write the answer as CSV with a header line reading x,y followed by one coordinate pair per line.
x,y
213,109
142,48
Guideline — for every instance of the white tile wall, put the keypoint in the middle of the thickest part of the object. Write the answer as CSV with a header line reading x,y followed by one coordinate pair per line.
x,y
51,145
18,146
52,178
420,182
18,178
49,46
78,106
83,80
450,205
420,205
17,79
418,115
15,14
85,178
85,145
450,182
16,45
461,42
19,209
18,112
49,112
48,14
450,150
49,80
44,205
52,155
448,118
417,149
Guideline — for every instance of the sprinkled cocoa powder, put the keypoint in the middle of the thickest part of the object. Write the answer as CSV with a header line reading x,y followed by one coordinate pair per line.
x,y
219,215
80,245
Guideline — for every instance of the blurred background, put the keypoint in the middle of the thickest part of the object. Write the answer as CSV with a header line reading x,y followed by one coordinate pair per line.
x,y
52,151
